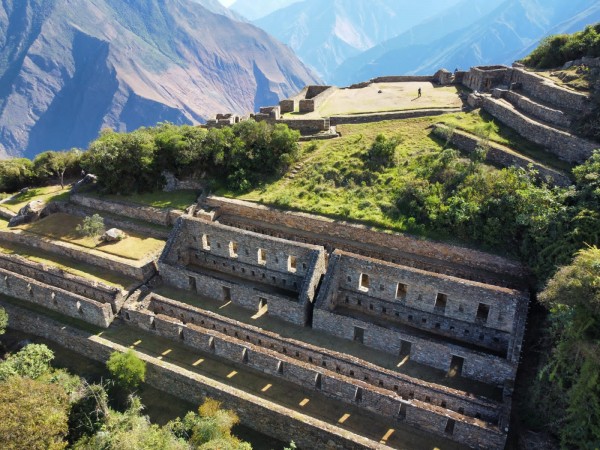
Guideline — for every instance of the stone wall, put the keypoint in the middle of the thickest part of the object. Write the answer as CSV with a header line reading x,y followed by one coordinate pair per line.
x,y
144,316
315,97
143,270
234,348
287,106
485,78
542,112
306,126
265,416
564,145
249,269
478,366
164,217
66,281
56,299
400,115
402,79
499,155
399,248
545,90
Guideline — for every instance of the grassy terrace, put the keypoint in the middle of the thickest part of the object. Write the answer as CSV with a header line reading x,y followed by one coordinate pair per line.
x,y
62,227
47,194
167,200
334,181
68,265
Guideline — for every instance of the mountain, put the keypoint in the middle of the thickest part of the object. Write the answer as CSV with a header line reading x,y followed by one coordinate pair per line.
x,y
69,68
256,9
324,34
218,8
495,33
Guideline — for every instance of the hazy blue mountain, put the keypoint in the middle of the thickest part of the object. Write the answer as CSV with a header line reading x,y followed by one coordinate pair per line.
x,y
217,7
69,68
498,35
256,9
326,33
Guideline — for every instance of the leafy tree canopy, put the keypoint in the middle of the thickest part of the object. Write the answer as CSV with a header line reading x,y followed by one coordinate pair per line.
x,y
127,368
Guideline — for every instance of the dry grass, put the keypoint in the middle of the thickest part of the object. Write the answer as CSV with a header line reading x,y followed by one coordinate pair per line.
x,y
393,97
62,227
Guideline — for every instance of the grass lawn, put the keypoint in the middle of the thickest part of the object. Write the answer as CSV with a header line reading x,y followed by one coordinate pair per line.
x,y
68,265
334,182
159,199
62,227
47,194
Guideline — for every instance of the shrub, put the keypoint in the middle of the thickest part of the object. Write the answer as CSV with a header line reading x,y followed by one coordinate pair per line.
x,y
128,370
32,361
92,226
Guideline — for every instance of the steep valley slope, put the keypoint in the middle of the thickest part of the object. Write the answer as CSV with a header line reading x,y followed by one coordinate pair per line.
x,y
69,68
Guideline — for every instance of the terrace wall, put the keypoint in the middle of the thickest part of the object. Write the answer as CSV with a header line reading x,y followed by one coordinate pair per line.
x,y
140,271
425,416
56,299
408,250
164,217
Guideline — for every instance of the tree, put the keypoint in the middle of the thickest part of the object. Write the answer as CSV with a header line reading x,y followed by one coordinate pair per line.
x,y
3,321
15,174
573,295
32,361
91,226
34,415
382,153
127,368
51,163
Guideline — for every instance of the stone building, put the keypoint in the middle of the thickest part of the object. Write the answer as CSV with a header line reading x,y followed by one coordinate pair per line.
x,y
254,271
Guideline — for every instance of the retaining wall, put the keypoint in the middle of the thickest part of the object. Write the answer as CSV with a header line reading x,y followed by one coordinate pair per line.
x,y
315,97
498,155
456,260
262,415
139,271
430,417
400,115
564,145
542,112
61,279
56,299
306,126
164,217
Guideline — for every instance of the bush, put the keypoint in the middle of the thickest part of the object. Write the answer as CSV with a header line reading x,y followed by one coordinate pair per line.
x,y
32,361
128,370
92,226
382,153
3,321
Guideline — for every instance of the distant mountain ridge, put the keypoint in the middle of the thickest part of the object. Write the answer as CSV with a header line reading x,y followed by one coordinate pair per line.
x,y
491,32
325,33
69,68
256,9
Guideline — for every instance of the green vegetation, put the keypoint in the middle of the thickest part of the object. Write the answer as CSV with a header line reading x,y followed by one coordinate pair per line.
x,y
128,370
157,199
3,321
63,227
49,164
242,155
568,388
46,194
92,226
45,408
556,50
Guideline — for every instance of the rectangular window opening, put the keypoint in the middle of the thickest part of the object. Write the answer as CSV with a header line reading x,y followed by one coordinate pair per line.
x,y
233,249
292,264
401,290
192,283
263,305
483,312
364,282
405,348
205,242
450,427
359,334
262,256
440,303
226,294
456,366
